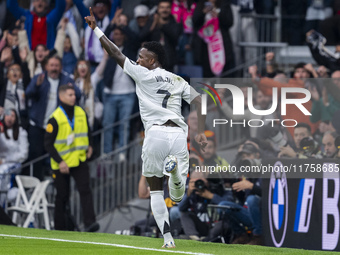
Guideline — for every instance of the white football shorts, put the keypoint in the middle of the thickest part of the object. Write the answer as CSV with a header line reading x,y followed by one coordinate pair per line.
x,y
159,142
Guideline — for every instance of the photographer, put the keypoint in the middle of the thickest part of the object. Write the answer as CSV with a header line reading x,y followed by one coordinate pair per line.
x,y
328,143
193,207
301,131
244,216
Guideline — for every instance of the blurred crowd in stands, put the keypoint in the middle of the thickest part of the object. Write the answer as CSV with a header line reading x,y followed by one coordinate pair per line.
x,y
46,43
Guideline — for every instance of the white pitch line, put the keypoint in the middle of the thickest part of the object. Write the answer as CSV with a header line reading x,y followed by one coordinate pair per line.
x,y
107,244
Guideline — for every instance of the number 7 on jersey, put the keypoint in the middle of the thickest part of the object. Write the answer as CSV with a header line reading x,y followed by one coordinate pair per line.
x,y
167,95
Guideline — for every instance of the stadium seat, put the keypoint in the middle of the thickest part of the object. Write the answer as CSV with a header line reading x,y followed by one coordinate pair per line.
x,y
35,204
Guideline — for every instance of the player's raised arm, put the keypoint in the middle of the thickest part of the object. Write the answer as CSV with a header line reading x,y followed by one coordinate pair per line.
x,y
109,46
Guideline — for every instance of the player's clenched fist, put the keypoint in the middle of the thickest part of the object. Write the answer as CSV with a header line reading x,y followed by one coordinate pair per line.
x,y
90,20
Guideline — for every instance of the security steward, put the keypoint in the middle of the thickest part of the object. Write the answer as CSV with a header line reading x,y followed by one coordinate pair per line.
x,y
67,141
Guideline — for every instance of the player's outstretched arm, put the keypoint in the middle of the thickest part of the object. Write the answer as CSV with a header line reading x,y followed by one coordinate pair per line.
x,y
200,137
109,46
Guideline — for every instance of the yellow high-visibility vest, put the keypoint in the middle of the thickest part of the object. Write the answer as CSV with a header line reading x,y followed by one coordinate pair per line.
x,y
75,152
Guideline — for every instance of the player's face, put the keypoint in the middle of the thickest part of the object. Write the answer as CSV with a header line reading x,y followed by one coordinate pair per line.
x,y
145,58
68,97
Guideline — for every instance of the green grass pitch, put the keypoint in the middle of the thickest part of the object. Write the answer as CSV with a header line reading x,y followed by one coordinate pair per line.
x,y
70,243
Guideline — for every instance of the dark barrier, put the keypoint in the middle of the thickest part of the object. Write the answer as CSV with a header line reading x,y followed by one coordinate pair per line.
x,y
302,212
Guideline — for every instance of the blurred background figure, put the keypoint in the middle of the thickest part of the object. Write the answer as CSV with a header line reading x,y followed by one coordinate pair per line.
x,y
119,96
213,19
163,28
39,24
13,152
140,18
13,139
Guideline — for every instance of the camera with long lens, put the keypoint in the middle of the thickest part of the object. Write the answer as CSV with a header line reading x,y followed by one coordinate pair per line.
x,y
216,185
242,160
252,167
200,185
250,162
310,148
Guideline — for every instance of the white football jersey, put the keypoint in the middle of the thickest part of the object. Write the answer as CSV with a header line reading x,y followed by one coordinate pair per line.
x,y
160,94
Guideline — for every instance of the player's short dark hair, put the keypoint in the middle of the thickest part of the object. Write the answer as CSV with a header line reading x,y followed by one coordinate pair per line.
x,y
304,125
65,87
157,49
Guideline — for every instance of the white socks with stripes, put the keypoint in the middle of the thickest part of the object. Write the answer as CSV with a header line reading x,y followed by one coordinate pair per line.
x,y
176,186
161,214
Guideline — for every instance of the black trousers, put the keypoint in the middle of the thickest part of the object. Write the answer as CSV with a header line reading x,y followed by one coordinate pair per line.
x,y
36,149
81,177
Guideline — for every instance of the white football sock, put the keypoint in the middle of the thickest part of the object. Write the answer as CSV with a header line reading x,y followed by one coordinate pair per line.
x,y
161,214
177,186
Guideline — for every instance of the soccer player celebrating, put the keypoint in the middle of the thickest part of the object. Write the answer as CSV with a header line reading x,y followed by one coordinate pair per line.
x,y
165,149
